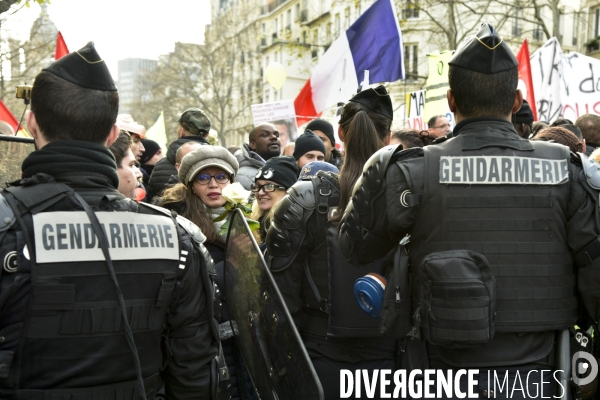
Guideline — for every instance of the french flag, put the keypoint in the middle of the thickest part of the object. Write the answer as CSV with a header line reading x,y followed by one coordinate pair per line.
x,y
373,43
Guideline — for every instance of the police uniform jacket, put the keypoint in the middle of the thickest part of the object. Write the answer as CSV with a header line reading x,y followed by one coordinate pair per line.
x,y
522,205
61,328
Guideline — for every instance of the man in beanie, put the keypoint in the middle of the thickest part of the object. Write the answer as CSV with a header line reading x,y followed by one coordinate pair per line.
x,y
473,205
309,147
151,156
523,120
263,144
324,130
194,125
89,312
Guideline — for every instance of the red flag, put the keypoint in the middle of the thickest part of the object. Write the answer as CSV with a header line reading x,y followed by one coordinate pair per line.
x,y
61,47
525,81
8,117
305,109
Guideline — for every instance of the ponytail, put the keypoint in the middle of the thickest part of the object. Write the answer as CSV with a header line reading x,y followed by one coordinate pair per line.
x,y
364,134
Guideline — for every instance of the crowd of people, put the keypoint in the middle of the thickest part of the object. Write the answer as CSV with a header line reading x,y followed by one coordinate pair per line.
x,y
497,217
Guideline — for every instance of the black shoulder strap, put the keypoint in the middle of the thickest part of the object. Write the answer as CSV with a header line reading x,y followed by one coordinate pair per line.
x,y
323,193
38,197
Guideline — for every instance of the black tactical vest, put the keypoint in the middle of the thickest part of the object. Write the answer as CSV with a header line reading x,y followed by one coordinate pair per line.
x,y
507,199
333,309
72,335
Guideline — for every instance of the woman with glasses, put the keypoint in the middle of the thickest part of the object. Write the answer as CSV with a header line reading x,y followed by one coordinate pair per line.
x,y
304,255
203,174
270,186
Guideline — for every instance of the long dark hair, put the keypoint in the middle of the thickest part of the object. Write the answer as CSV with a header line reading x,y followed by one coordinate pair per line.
x,y
190,207
364,133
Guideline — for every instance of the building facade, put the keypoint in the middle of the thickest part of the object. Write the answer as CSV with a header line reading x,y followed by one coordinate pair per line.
x,y
297,32
132,82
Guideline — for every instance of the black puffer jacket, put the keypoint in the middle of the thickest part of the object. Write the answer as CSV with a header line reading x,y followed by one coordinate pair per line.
x,y
166,167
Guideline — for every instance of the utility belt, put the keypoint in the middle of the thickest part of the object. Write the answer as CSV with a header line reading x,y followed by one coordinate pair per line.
x,y
314,329
123,391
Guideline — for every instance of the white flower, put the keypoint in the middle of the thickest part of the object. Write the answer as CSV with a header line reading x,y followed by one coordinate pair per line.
x,y
235,193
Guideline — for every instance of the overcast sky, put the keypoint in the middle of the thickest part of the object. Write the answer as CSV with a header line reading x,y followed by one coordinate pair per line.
x,y
119,28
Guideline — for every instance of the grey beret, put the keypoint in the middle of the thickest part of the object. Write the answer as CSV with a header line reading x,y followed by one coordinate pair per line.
x,y
204,157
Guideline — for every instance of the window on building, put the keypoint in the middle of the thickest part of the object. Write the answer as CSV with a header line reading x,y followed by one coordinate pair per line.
x,y
538,33
561,24
328,38
337,25
575,28
411,61
596,13
410,9
347,18
288,22
297,12
516,22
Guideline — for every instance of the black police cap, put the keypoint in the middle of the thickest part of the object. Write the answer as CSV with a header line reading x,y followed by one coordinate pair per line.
x,y
84,68
376,99
485,52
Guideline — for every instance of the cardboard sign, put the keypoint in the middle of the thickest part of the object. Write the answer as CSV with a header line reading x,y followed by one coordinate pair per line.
x,y
566,85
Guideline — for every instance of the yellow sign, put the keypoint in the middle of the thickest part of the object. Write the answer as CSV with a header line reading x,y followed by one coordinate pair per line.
x,y
436,102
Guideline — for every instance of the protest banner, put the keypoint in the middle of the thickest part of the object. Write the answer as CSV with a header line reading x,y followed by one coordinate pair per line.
x,y
282,115
566,85
415,105
436,101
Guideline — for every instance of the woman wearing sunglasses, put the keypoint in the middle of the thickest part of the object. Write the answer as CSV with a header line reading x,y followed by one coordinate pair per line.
x,y
270,186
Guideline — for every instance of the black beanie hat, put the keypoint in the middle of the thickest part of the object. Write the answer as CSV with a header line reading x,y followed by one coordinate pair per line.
x,y
281,169
306,142
524,115
150,149
323,126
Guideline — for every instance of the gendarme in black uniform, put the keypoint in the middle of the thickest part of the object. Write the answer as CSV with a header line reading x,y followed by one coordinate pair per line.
x,y
62,332
525,206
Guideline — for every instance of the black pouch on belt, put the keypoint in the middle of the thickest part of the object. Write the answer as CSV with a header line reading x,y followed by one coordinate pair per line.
x,y
457,299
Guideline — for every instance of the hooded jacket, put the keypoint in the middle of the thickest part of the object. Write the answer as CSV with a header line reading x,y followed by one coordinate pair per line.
x,y
250,163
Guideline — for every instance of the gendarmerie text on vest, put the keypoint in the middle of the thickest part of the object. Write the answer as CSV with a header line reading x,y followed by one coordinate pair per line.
x,y
503,170
130,236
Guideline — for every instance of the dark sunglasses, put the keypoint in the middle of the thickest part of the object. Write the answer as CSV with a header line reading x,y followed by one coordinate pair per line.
x,y
268,187
221,177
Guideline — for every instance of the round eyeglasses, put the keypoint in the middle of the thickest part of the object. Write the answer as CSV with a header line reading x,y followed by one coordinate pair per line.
x,y
268,187
204,179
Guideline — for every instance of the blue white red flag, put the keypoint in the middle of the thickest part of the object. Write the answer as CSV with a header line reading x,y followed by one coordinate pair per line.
x,y
373,43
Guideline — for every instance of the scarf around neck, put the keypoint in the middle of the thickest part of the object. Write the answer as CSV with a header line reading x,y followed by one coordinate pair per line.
x,y
71,156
